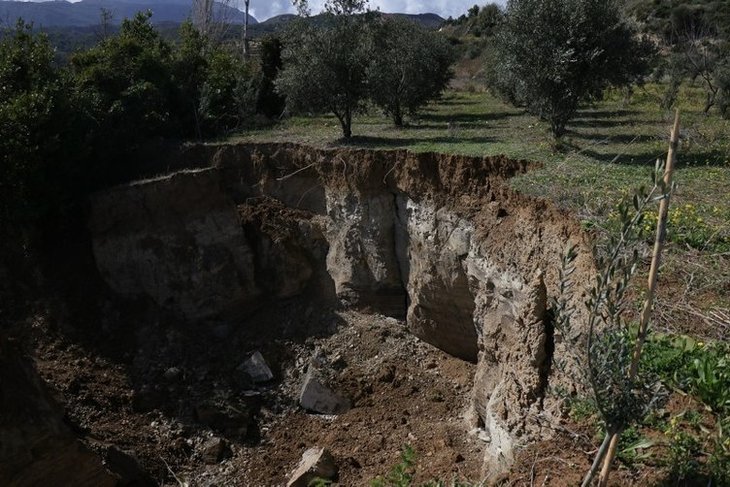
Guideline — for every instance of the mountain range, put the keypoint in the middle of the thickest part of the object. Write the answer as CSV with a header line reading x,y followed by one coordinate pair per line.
x,y
62,14
88,12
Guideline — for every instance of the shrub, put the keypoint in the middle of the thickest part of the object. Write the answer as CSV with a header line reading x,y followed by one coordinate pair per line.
x,y
37,146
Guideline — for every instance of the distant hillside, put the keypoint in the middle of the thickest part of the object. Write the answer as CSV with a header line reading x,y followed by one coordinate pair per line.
x,y
279,22
87,12
430,21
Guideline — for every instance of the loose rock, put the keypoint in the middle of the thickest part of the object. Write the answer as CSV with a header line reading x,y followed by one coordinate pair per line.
x,y
315,463
257,368
319,398
215,450
172,374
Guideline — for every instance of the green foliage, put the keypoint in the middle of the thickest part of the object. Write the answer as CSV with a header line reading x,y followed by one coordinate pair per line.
x,y
718,462
268,101
580,408
619,398
401,475
697,452
409,67
553,55
190,66
325,67
697,37
632,446
67,131
36,128
128,81
667,18
228,94
490,18
319,482
684,453
701,369
687,226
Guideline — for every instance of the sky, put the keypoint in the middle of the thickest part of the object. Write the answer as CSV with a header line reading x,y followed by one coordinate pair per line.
x,y
264,9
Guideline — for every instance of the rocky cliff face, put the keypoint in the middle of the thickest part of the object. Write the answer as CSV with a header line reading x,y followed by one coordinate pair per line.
x,y
439,239
176,240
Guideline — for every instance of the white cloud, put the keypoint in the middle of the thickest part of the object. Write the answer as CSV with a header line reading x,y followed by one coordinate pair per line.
x,y
263,9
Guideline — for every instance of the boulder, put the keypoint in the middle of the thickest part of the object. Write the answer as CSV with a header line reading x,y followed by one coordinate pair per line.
x,y
315,463
319,398
257,369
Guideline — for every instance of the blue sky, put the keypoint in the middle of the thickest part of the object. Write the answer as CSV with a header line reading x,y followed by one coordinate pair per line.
x,y
263,9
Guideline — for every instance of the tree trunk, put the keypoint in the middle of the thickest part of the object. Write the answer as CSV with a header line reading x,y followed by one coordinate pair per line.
x,y
347,126
709,103
345,122
397,117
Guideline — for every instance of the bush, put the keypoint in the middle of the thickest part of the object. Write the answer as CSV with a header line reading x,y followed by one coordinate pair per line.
x,y
128,80
37,143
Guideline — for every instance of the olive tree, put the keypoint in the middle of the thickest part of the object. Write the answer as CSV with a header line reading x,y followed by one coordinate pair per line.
x,y
409,67
325,65
554,54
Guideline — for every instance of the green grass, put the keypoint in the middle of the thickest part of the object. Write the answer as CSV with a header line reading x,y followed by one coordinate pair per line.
x,y
609,149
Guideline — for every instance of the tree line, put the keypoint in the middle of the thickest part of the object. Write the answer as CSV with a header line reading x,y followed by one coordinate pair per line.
x,y
69,129
552,56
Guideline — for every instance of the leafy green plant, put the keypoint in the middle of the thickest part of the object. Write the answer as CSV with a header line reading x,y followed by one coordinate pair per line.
x,y
699,228
719,460
581,408
401,475
684,452
622,393
696,367
633,447
319,482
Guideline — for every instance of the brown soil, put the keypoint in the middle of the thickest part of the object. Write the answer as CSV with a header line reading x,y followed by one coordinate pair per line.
x,y
405,392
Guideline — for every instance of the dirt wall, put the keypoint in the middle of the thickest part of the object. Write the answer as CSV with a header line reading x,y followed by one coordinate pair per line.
x,y
439,239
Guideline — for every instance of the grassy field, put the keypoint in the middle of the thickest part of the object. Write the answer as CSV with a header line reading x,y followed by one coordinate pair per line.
x,y
610,149
611,146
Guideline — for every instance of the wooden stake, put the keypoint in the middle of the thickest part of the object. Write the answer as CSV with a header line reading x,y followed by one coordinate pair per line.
x,y
656,260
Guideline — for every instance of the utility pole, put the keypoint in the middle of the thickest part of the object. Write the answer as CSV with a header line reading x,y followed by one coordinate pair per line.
x,y
245,29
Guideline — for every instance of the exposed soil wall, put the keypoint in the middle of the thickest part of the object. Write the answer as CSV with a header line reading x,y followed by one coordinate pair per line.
x,y
439,240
